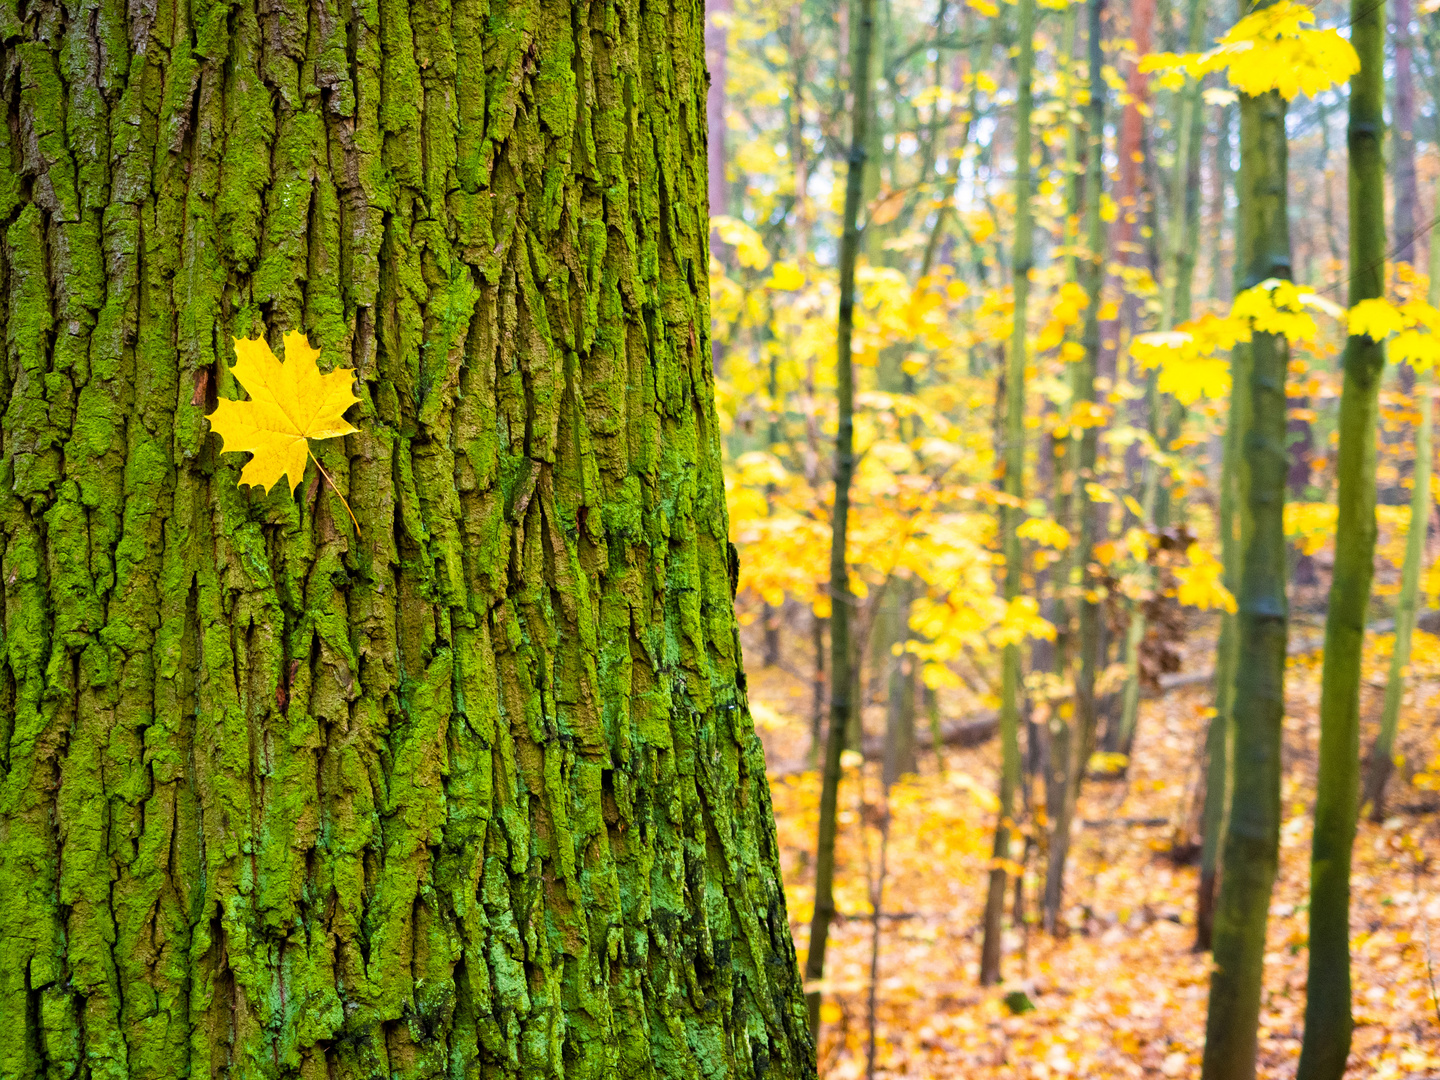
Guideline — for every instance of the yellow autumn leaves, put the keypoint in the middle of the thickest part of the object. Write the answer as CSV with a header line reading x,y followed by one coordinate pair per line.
x,y
1191,358
1274,48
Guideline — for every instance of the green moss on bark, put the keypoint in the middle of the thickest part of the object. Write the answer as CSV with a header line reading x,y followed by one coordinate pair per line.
x,y
476,791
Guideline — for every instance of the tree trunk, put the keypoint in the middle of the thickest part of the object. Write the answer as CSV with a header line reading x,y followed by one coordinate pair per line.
x,y
717,46
1252,840
1073,738
1377,775
1403,150
1221,276
1220,735
1012,512
842,680
1328,1020
899,752
475,791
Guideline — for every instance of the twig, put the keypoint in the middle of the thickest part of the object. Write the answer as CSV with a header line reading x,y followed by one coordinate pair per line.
x,y
335,489
1425,922
877,897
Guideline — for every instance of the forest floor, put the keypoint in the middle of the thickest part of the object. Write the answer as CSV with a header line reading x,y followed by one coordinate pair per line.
x,y
1121,993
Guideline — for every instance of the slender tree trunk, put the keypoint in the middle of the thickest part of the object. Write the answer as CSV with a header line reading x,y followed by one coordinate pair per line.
x,y
841,600
817,687
1074,738
799,162
900,697
1403,149
1252,840
1221,276
1381,753
1014,445
717,45
1327,1007
1155,501
1220,735
283,799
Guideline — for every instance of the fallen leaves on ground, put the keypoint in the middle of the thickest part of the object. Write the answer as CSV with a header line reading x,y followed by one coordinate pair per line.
x,y
1122,994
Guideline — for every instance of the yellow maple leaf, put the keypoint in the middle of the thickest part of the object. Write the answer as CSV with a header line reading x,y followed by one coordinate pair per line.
x,y
291,402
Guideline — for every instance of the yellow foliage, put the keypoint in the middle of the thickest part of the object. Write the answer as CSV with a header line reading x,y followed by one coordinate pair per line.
x,y
1273,48
1376,319
786,276
1021,620
1200,583
749,248
1310,525
1044,531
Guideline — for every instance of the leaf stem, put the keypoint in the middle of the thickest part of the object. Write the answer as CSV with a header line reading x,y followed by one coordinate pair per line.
x,y
333,488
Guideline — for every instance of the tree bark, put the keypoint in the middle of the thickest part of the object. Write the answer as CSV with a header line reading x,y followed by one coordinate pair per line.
x,y
1328,1020
1252,839
475,791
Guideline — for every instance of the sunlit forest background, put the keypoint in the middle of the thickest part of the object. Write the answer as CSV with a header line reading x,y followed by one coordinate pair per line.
x,y
1059,651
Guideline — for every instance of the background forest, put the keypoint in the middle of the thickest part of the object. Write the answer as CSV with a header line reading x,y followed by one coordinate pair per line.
x,y
1090,597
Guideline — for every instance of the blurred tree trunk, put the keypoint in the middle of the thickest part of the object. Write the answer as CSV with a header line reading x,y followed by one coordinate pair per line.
x,y
1382,752
1403,147
1328,1019
1252,839
1074,736
900,758
1381,763
475,791
1165,414
1012,513
717,45
842,680
1222,277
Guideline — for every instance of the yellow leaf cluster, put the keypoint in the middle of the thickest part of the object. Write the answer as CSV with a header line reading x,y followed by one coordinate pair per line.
x,y
1044,531
1200,581
1187,357
749,248
1310,525
1070,303
1412,327
1274,48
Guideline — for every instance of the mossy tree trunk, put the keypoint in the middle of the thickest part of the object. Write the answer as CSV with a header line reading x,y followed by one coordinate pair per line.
x,y
474,792
1328,1019
1252,837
